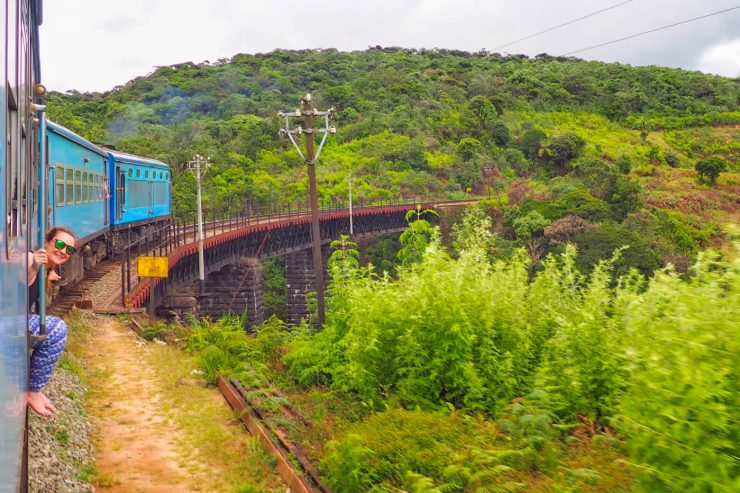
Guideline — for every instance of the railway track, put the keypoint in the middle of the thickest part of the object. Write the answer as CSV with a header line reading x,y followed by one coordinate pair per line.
x,y
292,461
88,293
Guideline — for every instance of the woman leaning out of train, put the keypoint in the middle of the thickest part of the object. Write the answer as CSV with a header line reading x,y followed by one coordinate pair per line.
x,y
58,249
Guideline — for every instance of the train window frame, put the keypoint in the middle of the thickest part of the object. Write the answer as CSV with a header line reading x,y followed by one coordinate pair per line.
x,y
69,186
130,172
146,174
12,163
12,30
78,186
59,180
83,187
90,191
138,173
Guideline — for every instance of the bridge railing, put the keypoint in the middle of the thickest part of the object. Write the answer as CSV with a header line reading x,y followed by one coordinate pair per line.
x,y
182,230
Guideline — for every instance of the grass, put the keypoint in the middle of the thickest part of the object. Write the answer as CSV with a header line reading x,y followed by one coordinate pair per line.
x,y
208,428
62,436
213,445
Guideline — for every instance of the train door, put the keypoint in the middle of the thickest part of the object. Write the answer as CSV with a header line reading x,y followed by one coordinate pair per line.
x,y
151,197
120,192
104,193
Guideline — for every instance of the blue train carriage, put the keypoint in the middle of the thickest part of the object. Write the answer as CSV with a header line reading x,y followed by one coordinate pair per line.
x,y
140,201
19,160
78,195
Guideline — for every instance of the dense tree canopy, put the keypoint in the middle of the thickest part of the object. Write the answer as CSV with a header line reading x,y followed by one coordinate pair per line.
x,y
562,136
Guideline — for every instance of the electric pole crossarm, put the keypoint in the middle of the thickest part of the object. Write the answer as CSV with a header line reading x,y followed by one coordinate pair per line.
x,y
310,158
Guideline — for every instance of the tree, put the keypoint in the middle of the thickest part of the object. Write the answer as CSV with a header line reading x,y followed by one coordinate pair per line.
x,y
531,141
500,133
343,261
529,230
565,147
468,147
417,236
484,110
710,168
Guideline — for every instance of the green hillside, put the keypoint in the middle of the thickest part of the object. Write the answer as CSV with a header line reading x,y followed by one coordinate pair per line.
x,y
610,144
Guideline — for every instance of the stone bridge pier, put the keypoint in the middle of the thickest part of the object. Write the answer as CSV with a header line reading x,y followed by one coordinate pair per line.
x,y
240,285
301,280
233,289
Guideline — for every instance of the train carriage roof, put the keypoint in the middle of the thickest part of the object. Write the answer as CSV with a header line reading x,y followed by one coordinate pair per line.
x,y
64,132
131,159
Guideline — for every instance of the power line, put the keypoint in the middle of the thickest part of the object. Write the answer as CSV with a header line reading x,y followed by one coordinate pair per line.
x,y
561,25
651,31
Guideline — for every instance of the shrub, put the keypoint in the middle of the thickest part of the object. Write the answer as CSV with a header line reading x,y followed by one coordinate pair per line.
x,y
681,411
710,168
598,244
672,160
418,451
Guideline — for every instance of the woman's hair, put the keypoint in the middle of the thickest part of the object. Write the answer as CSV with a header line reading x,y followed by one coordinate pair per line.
x,y
56,229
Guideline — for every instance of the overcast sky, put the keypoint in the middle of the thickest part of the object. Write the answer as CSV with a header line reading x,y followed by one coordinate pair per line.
x,y
95,45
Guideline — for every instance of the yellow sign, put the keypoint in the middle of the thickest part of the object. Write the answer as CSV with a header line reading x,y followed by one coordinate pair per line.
x,y
153,266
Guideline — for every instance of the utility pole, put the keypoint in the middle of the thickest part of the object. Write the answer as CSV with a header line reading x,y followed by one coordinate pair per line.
x,y
351,229
199,173
310,159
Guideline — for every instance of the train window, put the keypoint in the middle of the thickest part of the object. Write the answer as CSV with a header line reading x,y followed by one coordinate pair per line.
x,y
69,186
78,187
90,192
59,188
12,48
161,175
96,188
138,173
146,174
83,188
130,172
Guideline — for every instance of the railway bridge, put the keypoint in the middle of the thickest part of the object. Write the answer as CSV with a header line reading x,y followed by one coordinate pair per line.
x,y
233,251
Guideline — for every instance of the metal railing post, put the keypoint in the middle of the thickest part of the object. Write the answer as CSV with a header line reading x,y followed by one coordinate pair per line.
x,y
123,275
128,261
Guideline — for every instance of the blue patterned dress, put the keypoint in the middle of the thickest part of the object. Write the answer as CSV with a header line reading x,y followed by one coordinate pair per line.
x,y
46,353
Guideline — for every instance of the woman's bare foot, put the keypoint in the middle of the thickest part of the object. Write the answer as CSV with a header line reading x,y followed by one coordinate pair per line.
x,y
40,403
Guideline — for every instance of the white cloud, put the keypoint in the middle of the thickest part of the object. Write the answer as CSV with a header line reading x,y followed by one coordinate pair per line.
x,y
722,59
96,48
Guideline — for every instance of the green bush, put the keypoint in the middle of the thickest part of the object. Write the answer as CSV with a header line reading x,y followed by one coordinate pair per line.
x,y
419,451
462,331
595,245
681,411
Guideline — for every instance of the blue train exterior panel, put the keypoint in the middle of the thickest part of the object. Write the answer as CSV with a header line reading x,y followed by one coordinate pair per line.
x,y
18,227
142,191
78,183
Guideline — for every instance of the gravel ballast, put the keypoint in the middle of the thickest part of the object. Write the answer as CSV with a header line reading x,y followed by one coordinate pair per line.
x,y
60,451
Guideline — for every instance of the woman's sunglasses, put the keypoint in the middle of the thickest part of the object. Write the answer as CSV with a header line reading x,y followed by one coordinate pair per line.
x,y
59,244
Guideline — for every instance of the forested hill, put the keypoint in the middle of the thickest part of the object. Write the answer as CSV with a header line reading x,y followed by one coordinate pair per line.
x,y
558,136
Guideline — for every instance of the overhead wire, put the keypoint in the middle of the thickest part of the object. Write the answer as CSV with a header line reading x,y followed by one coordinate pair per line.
x,y
652,30
561,25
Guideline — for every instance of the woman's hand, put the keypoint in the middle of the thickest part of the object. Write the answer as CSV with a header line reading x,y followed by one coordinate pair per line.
x,y
53,276
40,257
